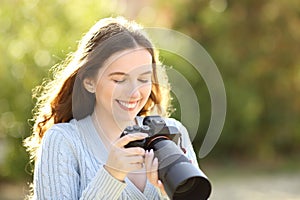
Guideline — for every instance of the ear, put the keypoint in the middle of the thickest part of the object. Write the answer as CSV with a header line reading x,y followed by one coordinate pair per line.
x,y
89,85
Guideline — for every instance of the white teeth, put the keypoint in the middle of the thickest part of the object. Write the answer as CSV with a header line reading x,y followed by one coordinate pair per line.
x,y
128,105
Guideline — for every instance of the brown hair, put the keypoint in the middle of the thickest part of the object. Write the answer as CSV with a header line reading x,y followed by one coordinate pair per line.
x,y
64,97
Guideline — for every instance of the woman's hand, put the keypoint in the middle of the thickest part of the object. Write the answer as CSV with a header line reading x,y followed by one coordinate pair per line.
x,y
151,164
123,160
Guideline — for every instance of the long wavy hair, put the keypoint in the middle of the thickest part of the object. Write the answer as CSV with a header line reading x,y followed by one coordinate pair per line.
x,y
56,101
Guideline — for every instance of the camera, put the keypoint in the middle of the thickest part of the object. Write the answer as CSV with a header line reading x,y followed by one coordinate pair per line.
x,y
181,179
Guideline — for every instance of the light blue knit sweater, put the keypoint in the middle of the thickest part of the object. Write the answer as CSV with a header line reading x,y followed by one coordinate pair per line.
x,y
70,163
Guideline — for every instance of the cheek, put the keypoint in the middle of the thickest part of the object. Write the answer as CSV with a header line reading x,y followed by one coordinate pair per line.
x,y
117,90
146,90
105,92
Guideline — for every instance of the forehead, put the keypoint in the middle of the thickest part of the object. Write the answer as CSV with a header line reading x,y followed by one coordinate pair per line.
x,y
132,60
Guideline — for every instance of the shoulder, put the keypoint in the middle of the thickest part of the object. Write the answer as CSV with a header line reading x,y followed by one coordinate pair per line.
x,y
172,122
182,130
62,129
62,133
185,139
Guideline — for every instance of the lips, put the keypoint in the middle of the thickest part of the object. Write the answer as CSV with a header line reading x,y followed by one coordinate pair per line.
x,y
128,105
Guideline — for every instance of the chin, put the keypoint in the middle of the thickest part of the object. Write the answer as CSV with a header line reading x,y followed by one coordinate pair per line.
x,y
126,116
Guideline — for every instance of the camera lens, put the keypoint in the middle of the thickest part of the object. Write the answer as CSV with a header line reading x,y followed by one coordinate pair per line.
x,y
181,179
193,187
185,186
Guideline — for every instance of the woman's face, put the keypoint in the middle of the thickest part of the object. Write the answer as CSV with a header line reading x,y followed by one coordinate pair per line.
x,y
123,84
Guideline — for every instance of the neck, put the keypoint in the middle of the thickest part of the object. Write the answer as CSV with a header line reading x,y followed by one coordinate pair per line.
x,y
109,128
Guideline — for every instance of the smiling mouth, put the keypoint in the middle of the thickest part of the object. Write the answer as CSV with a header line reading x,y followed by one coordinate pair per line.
x,y
128,105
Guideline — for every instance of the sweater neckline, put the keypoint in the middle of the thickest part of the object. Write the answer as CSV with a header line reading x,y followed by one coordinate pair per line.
x,y
93,139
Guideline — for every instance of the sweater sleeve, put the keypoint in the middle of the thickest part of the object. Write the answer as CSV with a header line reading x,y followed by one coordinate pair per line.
x,y
186,142
57,176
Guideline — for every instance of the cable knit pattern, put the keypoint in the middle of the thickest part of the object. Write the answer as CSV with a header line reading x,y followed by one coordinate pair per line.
x,y
70,163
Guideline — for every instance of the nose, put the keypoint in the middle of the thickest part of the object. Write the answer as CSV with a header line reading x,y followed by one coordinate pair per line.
x,y
134,91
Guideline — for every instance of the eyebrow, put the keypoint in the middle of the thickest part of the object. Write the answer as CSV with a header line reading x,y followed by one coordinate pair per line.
x,y
124,74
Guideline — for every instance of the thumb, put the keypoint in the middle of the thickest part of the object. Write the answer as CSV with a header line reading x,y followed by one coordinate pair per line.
x,y
129,138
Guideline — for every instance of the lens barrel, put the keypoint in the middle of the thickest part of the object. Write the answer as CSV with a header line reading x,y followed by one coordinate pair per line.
x,y
182,180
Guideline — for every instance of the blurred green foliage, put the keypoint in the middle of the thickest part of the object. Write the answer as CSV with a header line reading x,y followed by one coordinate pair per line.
x,y
34,36
255,44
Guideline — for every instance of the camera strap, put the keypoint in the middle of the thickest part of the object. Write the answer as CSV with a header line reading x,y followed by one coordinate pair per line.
x,y
180,145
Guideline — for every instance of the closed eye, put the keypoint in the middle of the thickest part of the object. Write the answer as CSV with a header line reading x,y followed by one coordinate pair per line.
x,y
144,80
119,81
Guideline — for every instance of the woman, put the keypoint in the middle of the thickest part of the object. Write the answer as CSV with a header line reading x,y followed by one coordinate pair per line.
x,y
113,80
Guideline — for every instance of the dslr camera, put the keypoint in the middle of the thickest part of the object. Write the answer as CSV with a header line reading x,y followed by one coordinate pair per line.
x,y
181,179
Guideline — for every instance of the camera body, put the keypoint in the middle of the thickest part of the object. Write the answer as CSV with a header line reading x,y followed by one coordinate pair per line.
x,y
157,130
182,180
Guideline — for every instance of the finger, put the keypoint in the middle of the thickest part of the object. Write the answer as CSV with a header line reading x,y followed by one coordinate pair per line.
x,y
135,159
136,166
161,187
124,162
149,155
126,168
134,151
151,168
129,138
153,176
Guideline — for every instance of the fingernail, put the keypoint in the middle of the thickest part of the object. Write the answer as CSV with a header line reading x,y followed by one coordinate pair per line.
x,y
144,134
